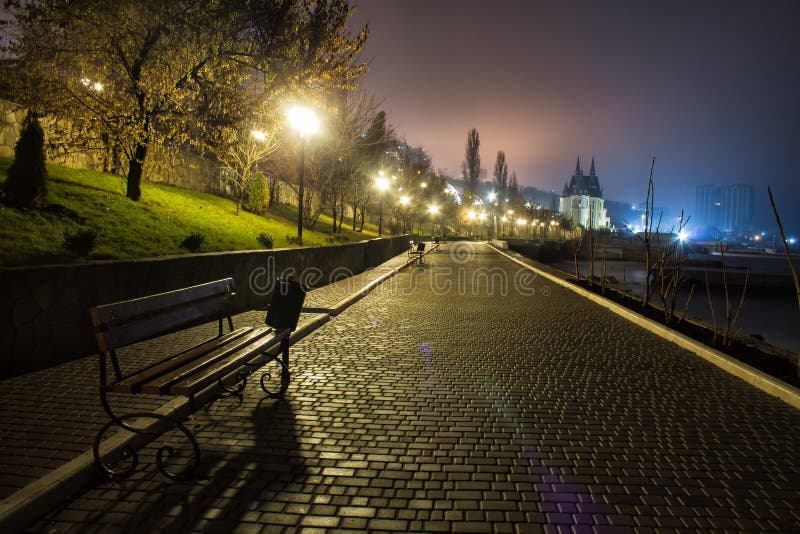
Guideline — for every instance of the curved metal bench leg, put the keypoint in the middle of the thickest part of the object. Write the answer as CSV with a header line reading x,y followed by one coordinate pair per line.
x,y
131,456
285,379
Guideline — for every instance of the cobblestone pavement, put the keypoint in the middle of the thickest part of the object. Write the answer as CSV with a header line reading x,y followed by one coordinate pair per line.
x,y
51,416
469,396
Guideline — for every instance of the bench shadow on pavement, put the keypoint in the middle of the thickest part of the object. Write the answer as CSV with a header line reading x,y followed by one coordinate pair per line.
x,y
232,486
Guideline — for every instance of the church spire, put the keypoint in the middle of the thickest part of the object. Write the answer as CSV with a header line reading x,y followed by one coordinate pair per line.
x,y
591,171
578,171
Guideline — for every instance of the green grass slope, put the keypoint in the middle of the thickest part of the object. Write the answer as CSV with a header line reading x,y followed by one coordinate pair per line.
x,y
154,226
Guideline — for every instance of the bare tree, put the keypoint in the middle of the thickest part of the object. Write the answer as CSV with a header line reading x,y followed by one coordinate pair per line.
x,y
245,151
785,245
647,236
669,276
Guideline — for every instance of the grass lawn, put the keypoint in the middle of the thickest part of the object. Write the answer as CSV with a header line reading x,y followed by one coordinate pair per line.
x,y
154,226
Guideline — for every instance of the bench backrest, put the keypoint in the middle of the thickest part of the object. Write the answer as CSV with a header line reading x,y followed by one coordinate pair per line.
x,y
125,322
420,247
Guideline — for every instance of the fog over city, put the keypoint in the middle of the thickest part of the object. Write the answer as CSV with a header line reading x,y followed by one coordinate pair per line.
x,y
707,88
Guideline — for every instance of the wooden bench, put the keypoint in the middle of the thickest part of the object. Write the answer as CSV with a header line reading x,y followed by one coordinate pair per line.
x,y
416,253
208,367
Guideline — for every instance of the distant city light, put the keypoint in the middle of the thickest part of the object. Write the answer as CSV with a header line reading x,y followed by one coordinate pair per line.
x,y
492,196
405,200
258,135
792,240
683,236
433,209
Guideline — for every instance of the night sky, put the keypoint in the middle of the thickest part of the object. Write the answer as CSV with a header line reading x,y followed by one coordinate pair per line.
x,y
708,88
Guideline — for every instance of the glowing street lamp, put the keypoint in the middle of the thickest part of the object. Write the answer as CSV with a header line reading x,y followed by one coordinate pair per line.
x,y
382,185
306,123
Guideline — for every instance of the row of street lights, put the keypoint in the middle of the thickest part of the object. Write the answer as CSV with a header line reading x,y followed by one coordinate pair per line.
x,y
306,123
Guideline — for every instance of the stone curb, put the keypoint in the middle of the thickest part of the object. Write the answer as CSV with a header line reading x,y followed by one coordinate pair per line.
x,y
25,506
351,299
786,392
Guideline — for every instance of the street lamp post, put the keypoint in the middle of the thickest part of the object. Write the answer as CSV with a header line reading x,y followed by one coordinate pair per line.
x,y
305,122
405,200
470,217
433,209
482,218
381,184
492,198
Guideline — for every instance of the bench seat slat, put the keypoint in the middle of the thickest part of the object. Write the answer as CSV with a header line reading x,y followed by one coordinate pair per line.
x,y
161,384
120,312
163,323
133,383
207,376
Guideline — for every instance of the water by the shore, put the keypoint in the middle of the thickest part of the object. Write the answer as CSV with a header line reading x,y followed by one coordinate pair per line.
x,y
774,315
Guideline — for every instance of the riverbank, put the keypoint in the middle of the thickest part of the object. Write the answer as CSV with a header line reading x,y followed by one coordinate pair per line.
x,y
768,314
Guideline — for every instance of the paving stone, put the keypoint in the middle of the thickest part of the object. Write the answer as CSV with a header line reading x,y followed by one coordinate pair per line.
x,y
478,409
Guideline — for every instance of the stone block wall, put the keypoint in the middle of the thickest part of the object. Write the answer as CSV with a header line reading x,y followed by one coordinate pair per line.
x,y
44,316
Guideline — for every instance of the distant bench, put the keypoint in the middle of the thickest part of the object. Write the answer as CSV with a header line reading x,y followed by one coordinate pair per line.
x,y
215,363
416,252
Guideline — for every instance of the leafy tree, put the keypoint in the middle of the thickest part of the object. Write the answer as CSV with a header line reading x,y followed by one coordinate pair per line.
x,y
472,163
129,74
27,176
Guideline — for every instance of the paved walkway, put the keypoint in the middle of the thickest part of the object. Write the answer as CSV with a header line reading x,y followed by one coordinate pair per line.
x,y
468,396
49,417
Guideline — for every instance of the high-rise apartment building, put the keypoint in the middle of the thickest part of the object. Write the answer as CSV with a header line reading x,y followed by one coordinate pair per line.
x,y
729,208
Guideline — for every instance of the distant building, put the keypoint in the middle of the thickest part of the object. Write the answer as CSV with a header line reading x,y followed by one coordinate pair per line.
x,y
582,200
729,208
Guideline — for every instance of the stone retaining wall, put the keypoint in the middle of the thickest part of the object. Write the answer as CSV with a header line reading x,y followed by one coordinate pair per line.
x,y
44,316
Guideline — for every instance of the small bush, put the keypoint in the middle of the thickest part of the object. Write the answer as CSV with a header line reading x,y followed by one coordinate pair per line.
x,y
82,242
257,195
26,184
293,240
193,242
265,240
337,239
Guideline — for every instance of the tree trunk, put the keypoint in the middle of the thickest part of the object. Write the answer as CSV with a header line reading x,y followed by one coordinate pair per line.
x,y
271,183
363,210
134,190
